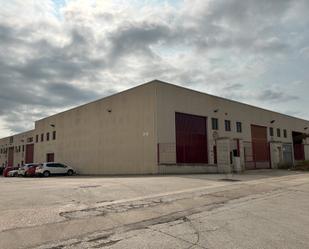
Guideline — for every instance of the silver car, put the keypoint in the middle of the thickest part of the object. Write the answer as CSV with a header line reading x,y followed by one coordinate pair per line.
x,y
13,172
53,168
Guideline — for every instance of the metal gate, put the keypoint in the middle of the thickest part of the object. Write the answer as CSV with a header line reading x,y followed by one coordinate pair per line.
x,y
299,152
257,155
287,154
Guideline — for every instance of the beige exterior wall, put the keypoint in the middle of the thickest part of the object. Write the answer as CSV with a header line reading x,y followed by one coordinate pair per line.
x,y
120,134
173,99
95,141
19,143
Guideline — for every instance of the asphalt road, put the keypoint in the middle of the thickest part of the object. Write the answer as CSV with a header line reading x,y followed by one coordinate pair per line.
x,y
259,209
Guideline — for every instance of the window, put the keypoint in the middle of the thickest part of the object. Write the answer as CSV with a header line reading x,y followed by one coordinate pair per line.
x,y
215,124
278,132
29,139
42,137
54,135
285,134
23,148
11,140
271,131
37,138
47,136
227,125
239,127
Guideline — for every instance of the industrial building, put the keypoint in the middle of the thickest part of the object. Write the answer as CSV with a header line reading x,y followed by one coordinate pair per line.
x,y
158,127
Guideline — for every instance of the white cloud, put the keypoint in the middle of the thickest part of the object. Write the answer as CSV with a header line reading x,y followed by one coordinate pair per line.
x,y
86,49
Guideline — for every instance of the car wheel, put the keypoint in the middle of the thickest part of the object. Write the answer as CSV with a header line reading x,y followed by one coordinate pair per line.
x,y
70,172
46,173
26,174
15,174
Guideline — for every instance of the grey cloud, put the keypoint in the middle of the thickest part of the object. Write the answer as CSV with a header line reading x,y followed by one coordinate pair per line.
x,y
275,96
136,38
67,94
83,61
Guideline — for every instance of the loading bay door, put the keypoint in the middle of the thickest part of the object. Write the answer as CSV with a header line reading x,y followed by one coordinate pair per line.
x,y
257,153
29,153
191,138
11,157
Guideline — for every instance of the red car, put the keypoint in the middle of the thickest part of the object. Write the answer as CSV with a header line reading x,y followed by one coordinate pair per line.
x,y
31,170
7,170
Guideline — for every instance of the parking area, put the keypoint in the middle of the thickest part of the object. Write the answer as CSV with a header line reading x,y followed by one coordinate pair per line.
x,y
80,205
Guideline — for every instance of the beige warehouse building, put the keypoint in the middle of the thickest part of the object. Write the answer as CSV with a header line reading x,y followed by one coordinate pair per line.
x,y
161,128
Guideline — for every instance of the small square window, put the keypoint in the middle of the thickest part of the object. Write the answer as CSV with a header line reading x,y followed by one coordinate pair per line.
x,y
239,127
271,131
227,125
285,133
215,123
278,132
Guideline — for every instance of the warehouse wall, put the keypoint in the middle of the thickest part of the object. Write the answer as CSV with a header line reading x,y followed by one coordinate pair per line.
x,y
19,142
115,135
173,99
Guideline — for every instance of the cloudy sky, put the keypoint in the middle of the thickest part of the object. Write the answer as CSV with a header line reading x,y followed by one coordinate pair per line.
x,y
56,54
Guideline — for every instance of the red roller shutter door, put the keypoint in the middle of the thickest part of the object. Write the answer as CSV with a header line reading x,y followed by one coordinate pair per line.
x,y
191,138
11,157
29,153
260,146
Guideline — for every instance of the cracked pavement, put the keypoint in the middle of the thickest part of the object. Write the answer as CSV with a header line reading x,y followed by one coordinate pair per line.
x,y
261,209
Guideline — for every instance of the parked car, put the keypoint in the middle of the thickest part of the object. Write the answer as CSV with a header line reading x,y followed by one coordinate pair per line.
x,y
27,169
31,170
52,168
7,170
13,172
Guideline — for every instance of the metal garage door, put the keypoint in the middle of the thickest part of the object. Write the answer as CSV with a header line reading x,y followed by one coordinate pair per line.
x,y
29,153
287,154
11,157
260,156
191,138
